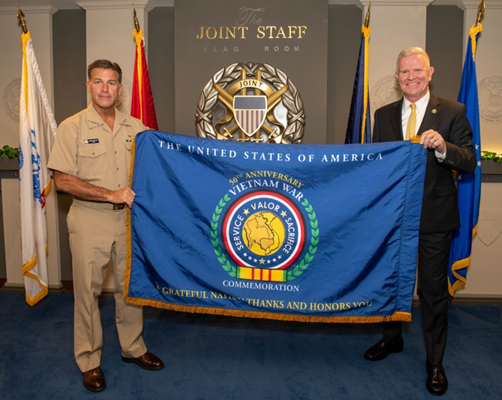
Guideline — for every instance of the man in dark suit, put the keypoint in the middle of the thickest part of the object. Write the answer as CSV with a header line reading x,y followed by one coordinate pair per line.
x,y
443,129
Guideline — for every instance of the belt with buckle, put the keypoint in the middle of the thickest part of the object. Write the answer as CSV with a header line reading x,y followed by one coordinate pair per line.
x,y
119,206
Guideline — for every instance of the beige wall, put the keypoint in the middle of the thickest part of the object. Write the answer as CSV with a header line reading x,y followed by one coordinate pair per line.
x,y
484,277
40,26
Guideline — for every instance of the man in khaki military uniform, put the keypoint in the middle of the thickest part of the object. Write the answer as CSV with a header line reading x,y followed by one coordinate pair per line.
x,y
91,159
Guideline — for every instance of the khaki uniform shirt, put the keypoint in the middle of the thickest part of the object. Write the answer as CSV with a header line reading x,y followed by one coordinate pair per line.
x,y
87,148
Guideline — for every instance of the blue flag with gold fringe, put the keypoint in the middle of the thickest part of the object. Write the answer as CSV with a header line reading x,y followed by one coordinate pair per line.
x,y
317,233
469,185
359,124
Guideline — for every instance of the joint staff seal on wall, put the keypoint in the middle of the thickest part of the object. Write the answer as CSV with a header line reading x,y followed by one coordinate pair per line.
x,y
251,102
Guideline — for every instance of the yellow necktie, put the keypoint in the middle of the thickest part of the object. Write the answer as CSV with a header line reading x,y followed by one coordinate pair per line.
x,y
412,123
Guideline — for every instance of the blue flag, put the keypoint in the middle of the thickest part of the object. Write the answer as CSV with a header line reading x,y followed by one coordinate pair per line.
x,y
469,185
359,125
295,232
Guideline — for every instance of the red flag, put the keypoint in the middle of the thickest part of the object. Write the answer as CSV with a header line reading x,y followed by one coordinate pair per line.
x,y
142,100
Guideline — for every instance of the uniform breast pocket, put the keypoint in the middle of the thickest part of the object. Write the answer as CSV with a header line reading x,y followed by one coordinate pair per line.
x,y
92,161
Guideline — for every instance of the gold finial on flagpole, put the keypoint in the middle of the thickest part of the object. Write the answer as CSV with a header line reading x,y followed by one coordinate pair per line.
x,y
20,17
136,22
367,19
481,10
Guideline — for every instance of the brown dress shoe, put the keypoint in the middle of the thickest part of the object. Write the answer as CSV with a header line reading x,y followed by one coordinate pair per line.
x,y
94,380
147,361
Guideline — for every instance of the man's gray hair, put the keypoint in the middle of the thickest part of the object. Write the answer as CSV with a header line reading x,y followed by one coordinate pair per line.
x,y
410,51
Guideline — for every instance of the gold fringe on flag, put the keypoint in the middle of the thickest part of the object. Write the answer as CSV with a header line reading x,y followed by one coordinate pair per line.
x,y
127,275
397,316
138,36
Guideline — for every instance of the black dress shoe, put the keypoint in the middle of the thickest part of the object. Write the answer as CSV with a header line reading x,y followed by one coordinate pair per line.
x,y
436,379
147,361
382,349
94,380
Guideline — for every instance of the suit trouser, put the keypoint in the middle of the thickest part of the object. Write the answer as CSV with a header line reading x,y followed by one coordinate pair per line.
x,y
433,256
97,236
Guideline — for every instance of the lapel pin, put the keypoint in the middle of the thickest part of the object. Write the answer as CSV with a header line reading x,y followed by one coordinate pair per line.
x,y
434,111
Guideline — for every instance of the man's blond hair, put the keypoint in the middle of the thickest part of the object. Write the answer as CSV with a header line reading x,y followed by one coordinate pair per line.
x,y
410,51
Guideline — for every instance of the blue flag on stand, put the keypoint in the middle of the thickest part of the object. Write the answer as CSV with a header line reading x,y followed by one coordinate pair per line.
x,y
317,233
469,185
359,125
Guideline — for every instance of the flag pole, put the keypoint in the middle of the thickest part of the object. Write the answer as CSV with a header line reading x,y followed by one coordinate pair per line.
x,y
367,19
477,27
136,22
20,17
481,11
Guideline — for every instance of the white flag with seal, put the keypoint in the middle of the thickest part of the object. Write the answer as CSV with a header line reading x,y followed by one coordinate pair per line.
x,y
37,129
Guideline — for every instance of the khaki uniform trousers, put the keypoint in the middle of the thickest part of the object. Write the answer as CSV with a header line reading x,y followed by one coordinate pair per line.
x,y
98,235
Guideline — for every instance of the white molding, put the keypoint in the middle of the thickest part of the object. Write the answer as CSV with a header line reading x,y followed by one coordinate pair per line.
x,y
458,3
397,3
113,5
8,10
164,3
490,4
29,10
494,4
357,3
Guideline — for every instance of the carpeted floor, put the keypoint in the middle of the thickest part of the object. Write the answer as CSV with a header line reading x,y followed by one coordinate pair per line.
x,y
211,357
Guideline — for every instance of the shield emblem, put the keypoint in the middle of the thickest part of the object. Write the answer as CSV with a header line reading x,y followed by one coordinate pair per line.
x,y
250,112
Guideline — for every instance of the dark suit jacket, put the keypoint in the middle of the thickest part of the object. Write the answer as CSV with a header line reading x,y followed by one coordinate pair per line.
x,y
439,206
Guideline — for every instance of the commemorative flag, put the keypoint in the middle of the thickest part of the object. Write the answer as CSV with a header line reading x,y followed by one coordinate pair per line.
x,y
317,233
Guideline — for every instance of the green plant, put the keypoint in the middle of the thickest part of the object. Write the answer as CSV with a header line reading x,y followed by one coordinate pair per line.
x,y
489,155
9,152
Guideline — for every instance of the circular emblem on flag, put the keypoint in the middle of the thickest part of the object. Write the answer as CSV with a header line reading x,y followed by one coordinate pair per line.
x,y
251,102
263,229
264,235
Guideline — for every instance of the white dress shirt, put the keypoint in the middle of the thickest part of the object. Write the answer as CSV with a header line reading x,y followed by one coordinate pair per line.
x,y
421,107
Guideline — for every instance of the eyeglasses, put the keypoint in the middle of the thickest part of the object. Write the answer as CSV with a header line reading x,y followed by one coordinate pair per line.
x,y
416,71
